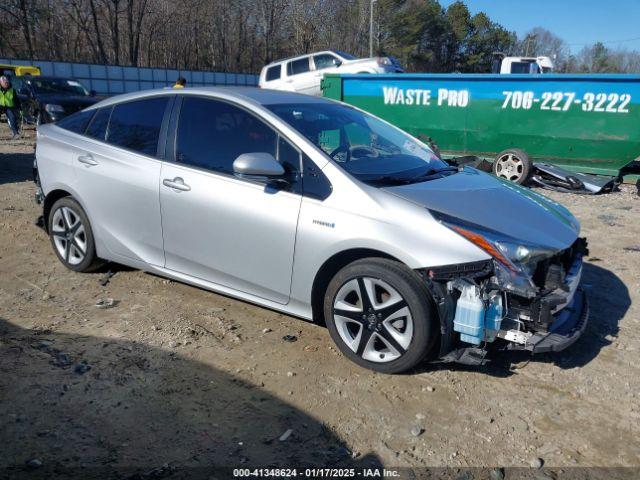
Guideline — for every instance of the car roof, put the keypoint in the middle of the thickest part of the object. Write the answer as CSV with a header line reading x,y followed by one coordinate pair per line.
x,y
282,60
257,96
48,77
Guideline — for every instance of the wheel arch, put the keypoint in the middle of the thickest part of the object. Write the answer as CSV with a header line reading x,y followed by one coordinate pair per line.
x,y
330,267
52,197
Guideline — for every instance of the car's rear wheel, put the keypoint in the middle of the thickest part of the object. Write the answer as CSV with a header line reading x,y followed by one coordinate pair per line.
x,y
71,236
380,315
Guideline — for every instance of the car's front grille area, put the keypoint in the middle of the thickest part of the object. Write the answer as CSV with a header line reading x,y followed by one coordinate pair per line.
x,y
550,273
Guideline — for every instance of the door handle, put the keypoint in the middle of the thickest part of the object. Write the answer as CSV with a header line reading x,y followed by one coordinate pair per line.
x,y
177,184
87,160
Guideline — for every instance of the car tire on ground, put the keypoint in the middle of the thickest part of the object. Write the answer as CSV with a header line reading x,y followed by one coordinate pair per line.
x,y
513,164
71,236
381,315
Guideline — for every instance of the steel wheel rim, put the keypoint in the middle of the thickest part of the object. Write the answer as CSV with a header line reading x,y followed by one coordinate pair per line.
x,y
510,167
373,319
69,235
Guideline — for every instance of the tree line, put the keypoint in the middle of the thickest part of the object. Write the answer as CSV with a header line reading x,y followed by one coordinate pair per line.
x,y
243,35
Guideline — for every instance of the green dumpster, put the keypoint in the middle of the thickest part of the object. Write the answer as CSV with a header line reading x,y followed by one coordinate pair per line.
x,y
585,123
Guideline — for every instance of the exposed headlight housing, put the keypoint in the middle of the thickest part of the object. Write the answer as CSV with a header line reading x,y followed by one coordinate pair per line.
x,y
54,108
384,61
515,261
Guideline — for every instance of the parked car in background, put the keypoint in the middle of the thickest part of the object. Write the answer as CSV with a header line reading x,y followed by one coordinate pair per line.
x,y
304,73
319,210
49,99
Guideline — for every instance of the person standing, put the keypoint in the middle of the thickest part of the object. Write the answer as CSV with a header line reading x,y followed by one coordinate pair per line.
x,y
9,104
181,82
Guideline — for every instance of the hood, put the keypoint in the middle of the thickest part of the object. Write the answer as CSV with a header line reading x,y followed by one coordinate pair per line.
x,y
393,61
77,101
496,204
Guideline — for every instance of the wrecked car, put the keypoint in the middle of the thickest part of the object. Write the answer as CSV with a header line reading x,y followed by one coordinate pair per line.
x,y
318,210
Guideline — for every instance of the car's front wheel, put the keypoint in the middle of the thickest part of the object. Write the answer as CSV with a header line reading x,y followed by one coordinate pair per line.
x,y
71,236
380,315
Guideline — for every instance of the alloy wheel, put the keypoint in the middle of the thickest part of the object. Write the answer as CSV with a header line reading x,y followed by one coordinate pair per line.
x,y
69,235
373,319
509,166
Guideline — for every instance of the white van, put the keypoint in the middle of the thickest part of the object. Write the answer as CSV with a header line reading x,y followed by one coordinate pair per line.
x,y
304,73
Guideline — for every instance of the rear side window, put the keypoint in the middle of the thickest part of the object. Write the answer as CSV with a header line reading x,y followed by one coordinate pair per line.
x,y
273,73
296,67
136,125
212,134
98,127
76,122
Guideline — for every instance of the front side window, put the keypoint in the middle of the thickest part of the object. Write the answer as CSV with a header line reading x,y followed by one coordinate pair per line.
x,y
296,67
76,122
361,144
98,127
136,125
345,55
212,134
273,73
324,60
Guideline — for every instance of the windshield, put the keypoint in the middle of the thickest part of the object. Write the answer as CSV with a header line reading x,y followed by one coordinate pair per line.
x,y
366,147
62,86
345,55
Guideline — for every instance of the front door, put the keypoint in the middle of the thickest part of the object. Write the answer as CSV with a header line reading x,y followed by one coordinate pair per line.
x,y
217,227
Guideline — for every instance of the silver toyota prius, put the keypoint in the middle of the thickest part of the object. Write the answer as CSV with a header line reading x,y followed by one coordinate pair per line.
x,y
317,209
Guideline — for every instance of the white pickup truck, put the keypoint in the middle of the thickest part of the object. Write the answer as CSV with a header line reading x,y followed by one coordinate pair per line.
x,y
304,73
524,65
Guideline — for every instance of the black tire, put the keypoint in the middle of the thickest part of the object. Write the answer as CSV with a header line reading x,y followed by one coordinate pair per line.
x,y
394,357
69,231
513,164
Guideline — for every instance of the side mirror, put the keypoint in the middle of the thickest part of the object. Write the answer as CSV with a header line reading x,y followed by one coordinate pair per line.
x,y
337,62
257,166
92,93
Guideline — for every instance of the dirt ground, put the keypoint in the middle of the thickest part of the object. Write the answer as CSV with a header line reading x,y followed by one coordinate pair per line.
x,y
173,377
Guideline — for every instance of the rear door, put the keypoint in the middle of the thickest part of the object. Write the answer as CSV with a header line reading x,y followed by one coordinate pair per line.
x,y
301,77
220,228
118,170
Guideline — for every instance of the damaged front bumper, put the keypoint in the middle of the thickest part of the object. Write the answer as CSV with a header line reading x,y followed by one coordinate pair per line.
x,y
558,318
569,325
549,321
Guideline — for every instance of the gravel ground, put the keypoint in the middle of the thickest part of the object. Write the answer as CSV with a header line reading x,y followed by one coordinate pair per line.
x,y
172,376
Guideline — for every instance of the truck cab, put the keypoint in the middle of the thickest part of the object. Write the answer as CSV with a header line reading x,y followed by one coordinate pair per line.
x,y
525,65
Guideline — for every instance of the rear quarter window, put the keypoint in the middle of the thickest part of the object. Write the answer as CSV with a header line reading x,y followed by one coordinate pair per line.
x,y
273,73
136,125
76,122
98,127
